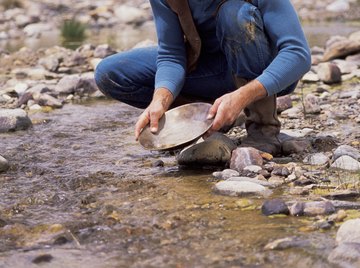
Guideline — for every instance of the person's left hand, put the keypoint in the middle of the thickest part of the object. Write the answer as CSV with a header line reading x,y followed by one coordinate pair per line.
x,y
226,110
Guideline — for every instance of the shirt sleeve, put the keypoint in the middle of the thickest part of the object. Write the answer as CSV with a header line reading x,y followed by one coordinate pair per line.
x,y
171,60
284,30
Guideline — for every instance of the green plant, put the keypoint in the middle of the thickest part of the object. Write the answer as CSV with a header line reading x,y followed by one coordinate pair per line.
x,y
7,4
73,30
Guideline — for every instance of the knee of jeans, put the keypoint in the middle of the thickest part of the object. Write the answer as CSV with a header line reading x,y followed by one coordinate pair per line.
x,y
237,19
102,77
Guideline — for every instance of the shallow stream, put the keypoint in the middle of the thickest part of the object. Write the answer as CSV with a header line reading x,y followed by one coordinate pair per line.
x,y
82,193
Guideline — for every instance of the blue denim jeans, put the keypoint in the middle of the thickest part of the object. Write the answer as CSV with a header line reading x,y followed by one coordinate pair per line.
x,y
245,52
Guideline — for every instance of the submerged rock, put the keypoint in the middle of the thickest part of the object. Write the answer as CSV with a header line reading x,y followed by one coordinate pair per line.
x,y
288,242
241,188
4,164
274,206
13,119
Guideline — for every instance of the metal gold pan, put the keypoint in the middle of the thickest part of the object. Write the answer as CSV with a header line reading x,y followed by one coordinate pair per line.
x,y
178,127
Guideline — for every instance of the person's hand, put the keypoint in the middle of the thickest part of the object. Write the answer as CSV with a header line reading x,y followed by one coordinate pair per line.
x,y
227,108
160,103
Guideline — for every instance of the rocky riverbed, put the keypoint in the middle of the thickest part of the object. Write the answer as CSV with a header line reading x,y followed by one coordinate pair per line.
x,y
78,190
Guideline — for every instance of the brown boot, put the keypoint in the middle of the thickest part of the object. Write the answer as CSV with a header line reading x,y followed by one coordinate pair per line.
x,y
263,126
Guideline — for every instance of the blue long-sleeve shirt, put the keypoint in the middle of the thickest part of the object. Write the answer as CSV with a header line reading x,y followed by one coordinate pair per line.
x,y
280,22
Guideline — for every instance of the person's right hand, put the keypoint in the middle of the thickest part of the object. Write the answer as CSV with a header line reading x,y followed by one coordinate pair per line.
x,y
162,100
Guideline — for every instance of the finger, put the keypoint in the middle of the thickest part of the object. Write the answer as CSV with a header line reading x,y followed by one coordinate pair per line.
x,y
219,120
213,109
154,121
141,123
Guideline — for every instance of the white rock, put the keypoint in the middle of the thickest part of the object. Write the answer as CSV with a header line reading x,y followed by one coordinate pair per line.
x,y
338,6
253,168
349,232
347,163
317,159
241,188
129,14
36,29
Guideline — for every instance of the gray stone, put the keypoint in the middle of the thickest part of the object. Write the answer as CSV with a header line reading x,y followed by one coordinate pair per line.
x,y
260,182
318,208
4,164
297,133
342,195
312,104
13,119
215,150
297,209
283,103
241,188
346,255
253,168
102,51
329,73
280,171
68,84
310,77
293,113
349,232
50,63
345,204
86,85
48,100
318,159
347,163
225,174
286,243
274,206
245,156
346,67
296,146
347,150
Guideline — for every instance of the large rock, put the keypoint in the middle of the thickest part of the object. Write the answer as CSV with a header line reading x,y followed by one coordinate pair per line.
x,y
13,119
4,164
346,255
349,232
346,67
215,150
261,182
225,174
329,73
240,188
347,163
347,150
318,208
245,156
341,49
